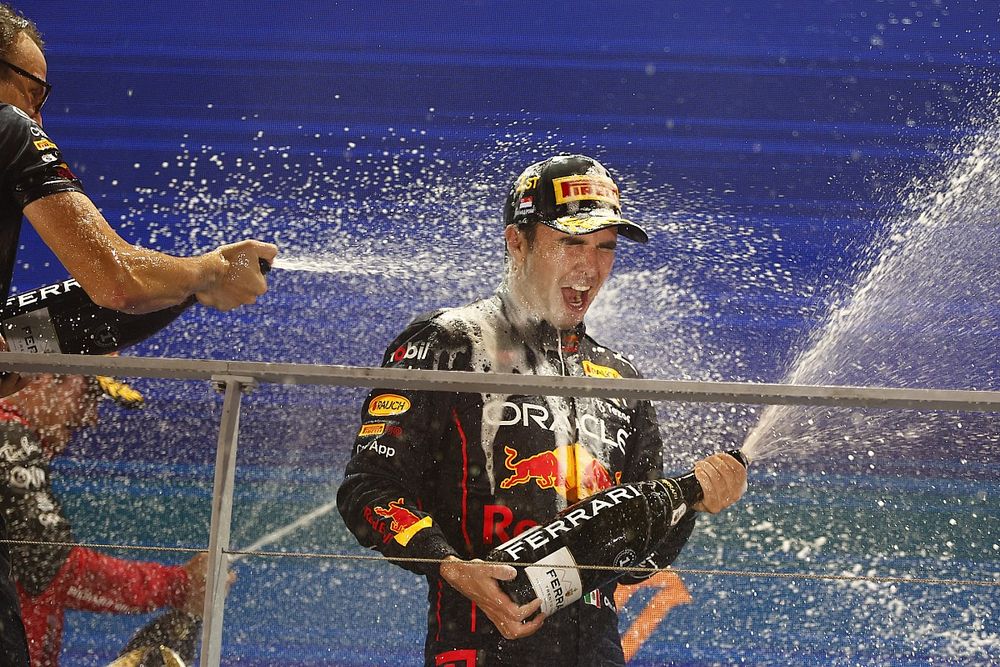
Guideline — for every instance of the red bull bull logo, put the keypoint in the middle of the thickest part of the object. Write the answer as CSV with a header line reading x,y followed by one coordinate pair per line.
x,y
542,468
571,470
595,477
404,524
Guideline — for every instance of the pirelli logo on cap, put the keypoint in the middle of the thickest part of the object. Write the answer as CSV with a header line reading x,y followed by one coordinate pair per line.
x,y
596,371
387,405
585,188
368,430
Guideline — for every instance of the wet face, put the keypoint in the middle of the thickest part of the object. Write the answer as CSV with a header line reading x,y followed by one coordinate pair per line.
x,y
17,89
559,275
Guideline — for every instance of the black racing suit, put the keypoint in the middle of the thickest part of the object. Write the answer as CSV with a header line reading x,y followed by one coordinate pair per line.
x,y
31,167
435,474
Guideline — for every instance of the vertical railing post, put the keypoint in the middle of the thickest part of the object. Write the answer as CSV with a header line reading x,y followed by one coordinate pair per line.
x,y
222,515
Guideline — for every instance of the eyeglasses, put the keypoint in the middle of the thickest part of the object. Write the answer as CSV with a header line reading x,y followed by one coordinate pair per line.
x,y
46,86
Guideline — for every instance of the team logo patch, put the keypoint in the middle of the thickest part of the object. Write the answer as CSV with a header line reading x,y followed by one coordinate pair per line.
x,y
585,188
63,170
527,183
386,405
404,524
416,351
570,470
596,371
368,430
45,145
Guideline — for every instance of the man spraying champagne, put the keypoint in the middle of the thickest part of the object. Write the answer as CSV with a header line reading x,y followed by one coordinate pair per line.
x,y
446,478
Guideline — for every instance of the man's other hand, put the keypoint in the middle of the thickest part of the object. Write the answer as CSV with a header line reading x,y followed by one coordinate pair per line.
x,y
477,580
197,570
241,280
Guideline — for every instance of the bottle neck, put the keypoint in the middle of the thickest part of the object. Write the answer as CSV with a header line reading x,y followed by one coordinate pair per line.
x,y
683,490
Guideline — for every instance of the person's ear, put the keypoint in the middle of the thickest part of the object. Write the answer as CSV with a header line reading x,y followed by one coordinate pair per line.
x,y
516,243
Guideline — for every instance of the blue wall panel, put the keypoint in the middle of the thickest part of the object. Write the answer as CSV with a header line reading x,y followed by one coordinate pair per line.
x,y
790,158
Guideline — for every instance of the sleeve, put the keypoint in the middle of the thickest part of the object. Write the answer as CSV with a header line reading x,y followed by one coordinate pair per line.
x,y
646,463
101,583
30,508
390,476
34,167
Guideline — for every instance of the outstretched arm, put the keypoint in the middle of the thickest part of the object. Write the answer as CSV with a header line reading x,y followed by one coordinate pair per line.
x,y
118,275
96,582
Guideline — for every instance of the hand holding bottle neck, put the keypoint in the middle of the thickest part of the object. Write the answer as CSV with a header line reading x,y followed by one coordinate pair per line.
x,y
721,479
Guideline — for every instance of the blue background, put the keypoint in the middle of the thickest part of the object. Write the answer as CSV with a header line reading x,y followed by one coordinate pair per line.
x,y
777,151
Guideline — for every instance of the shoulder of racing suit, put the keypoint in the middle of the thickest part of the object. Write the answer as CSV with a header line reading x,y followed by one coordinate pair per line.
x,y
606,358
445,339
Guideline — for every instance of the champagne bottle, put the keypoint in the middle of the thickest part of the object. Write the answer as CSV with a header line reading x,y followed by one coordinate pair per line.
x,y
62,318
169,639
612,529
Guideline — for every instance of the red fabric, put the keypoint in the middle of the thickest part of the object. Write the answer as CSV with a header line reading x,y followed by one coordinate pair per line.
x,y
9,413
458,658
91,581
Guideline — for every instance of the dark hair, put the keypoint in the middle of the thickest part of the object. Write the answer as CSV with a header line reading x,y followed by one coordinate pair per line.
x,y
530,230
12,24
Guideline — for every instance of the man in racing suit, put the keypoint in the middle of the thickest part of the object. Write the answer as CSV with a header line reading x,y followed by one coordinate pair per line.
x,y
35,425
445,477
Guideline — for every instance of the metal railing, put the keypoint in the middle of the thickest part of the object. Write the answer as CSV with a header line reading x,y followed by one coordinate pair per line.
x,y
236,378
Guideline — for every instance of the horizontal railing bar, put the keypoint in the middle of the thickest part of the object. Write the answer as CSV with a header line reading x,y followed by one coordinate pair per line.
x,y
504,383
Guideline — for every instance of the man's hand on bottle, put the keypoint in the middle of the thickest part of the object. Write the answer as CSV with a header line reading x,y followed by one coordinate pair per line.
x,y
723,480
197,571
240,280
477,580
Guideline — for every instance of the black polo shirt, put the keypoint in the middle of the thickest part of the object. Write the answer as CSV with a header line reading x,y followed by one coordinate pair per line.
x,y
31,167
